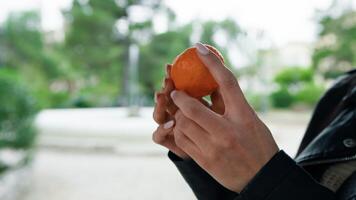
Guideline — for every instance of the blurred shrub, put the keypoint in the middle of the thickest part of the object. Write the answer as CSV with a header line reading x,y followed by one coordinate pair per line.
x,y
17,112
81,102
282,98
258,101
296,86
294,75
309,94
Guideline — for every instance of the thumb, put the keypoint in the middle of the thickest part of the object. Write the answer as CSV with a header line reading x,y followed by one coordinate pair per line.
x,y
228,85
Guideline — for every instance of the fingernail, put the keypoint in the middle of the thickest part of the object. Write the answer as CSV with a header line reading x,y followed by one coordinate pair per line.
x,y
168,124
203,50
173,93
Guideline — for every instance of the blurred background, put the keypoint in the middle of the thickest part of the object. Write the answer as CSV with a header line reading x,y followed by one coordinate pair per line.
x,y
77,80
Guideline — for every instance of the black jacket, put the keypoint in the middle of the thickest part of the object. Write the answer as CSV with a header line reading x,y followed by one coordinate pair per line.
x,y
330,139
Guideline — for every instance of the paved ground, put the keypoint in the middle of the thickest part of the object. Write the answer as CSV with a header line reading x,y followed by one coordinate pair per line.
x,y
101,154
73,176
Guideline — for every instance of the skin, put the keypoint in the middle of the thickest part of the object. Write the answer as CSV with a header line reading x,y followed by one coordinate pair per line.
x,y
227,139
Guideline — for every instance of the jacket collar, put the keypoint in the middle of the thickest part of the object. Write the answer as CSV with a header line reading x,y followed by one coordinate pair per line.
x,y
337,142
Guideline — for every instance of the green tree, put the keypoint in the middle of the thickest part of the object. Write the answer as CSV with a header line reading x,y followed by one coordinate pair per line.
x,y
296,85
98,38
227,29
24,50
335,51
92,52
161,49
16,113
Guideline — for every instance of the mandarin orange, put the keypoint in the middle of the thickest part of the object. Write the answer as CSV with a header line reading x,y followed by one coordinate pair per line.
x,y
189,73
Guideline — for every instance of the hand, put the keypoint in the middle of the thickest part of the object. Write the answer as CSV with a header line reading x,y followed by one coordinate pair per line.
x,y
165,109
233,146
162,114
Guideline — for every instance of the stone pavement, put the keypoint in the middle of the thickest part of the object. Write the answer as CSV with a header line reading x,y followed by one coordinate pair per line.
x,y
102,154
95,176
110,130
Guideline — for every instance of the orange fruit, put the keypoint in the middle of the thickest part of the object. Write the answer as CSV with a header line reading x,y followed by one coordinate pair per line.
x,y
189,73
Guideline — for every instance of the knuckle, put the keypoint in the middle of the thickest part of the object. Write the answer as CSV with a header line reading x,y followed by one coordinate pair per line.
x,y
183,124
158,117
155,117
178,115
155,138
158,136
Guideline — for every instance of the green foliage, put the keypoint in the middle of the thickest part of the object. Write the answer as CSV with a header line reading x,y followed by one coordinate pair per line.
x,y
24,51
91,66
296,85
162,49
336,49
294,75
24,47
309,94
227,28
258,101
90,40
91,48
16,112
22,39
98,49
282,98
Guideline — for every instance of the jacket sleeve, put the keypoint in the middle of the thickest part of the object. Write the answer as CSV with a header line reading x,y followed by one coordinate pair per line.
x,y
280,179
202,184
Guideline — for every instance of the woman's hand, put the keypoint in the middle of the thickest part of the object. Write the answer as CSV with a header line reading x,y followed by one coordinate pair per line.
x,y
165,109
162,114
231,146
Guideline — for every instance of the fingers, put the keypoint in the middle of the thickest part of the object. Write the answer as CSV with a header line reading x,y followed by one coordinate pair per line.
x,y
184,143
163,101
159,112
196,111
168,70
159,136
192,130
169,87
217,102
164,136
229,87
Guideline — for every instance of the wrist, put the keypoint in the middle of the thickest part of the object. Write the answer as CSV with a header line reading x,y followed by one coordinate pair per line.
x,y
253,171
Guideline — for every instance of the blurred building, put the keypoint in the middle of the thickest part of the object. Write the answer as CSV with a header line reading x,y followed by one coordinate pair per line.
x,y
291,55
273,60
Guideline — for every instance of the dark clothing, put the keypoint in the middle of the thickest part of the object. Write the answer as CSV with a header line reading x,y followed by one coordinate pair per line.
x,y
330,139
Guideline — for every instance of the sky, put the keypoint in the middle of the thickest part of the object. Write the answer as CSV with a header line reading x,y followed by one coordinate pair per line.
x,y
283,21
